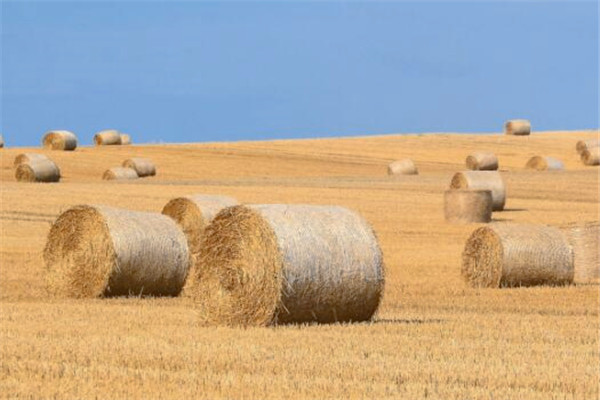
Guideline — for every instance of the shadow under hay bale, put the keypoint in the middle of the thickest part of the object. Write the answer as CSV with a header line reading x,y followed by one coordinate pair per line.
x,y
95,251
482,180
125,139
517,127
482,161
539,163
508,255
143,166
108,137
584,238
59,140
468,206
119,173
38,170
267,264
583,145
402,167
25,158
591,156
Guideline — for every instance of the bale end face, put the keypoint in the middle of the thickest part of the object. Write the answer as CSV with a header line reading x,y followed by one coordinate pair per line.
x,y
482,259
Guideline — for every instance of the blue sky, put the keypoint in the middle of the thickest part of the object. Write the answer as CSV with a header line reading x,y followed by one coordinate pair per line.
x,y
219,71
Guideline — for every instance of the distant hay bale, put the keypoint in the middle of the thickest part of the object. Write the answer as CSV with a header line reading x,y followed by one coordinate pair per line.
x,y
504,255
125,139
268,264
107,137
584,238
98,251
119,173
59,140
403,167
539,163
517,127
143,166
25,158
583,145
591,156
468,206
38,170
482,180
1,141
482,161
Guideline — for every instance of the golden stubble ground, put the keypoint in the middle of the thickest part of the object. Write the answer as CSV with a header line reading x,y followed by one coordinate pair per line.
x,y
433,336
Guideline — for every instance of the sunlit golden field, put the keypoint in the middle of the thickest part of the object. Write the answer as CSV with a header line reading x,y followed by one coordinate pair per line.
x,y
433,336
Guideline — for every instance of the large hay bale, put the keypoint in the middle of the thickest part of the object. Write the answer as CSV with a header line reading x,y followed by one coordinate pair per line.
x,y
402,167
107,137
143,166
482,161
591,156
25,158
539,163
584,238
503,255
119,173
583,145
38,171
59,140
517,127
267,264
95,251
468,205
482,180
125,139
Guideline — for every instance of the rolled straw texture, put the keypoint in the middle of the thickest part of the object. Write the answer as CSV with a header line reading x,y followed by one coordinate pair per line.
x,y
468,206
125,139
591,156
482,161
517,127
584,238
38,171
107,137
267,264
403,167
504,255
539,163
119,173
25,158
482,180
583,145
98,251
59,140
143,166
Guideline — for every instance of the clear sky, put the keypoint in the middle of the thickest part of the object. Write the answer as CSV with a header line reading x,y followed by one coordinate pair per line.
x,y
218,71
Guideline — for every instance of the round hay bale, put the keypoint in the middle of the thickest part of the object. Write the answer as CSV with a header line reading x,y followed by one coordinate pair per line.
x,y
482,161
539,163
1,141
98,251
482,180
468,206
583,145
591,156
38,171
107,137
584,238
143,166
125,139
267,264
25,158
517,127
59,140
403,167
119,173
505,255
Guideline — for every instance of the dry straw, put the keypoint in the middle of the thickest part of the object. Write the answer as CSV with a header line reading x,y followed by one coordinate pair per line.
x,y
503,255
95,251
125,139
268,264
584,238
482,180
539,163
25,158
143,166
119,173
107,137
38,170
583,145
517,127
467,206
403,167
482,161
59,140
591,156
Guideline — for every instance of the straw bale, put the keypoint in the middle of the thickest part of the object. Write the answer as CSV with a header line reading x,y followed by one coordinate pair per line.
x,y
468,205
539,163
25,158
403,167
107,137
1,141
38,170
125,139
584,238
517,127
482,180
482,161
143,166
583,145
119,173
591,156
59,140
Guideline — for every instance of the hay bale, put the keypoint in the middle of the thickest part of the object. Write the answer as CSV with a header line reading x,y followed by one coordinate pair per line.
x,y
38,171
482,180
59,140
119,173
468,205
125,139
591,156
107,137
539,163
99,251
482,161
143,166
25,158
267,264
503,255
517,127
583,145
403,167
584,238
1,141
